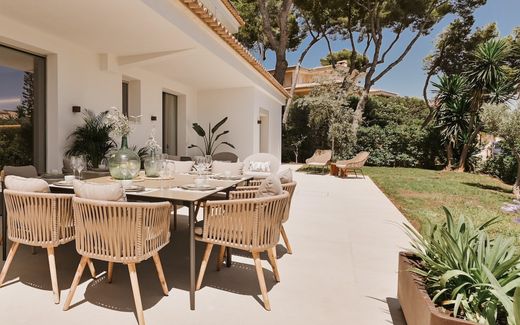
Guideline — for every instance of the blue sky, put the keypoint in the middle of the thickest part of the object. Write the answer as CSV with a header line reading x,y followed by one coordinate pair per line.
x,y
407,78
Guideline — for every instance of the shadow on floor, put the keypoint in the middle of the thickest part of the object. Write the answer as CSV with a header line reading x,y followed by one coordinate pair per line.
x,y
488,187
33,270
395,311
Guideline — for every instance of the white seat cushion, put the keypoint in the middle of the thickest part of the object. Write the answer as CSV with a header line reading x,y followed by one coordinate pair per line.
x,y
102,192
270,186
220,167
182,166
257,174
23,184
285,176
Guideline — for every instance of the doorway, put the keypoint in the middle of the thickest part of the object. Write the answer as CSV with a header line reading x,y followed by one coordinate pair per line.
x,y
264,131
170,117
22,109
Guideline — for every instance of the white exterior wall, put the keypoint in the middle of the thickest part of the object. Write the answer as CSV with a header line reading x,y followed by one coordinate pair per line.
x,y
216,82
236,104
75,78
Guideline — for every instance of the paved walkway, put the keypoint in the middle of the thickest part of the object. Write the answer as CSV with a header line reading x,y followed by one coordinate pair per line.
x,y
345,234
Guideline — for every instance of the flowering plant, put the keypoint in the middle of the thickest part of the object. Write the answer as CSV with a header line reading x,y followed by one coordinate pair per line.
x,y
119,122
152,144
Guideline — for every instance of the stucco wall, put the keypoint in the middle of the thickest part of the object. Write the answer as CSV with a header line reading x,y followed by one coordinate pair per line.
x,y
75,78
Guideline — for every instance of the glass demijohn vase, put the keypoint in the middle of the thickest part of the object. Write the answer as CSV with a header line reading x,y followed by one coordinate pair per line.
x,y
124,163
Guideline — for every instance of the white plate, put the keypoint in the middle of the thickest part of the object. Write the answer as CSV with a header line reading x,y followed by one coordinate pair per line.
x,y
194,187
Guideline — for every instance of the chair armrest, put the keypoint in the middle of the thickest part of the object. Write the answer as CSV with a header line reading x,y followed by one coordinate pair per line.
x,y
249,192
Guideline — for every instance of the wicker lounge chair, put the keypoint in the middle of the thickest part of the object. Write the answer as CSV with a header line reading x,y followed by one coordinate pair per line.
x,y
252,225
39,220
248,192
353,165
98,236
320,158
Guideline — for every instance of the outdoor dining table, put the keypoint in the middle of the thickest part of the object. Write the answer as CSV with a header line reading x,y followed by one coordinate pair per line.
x,y
170,189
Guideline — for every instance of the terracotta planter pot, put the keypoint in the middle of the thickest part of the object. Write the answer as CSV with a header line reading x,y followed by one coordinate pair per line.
x,y
417,306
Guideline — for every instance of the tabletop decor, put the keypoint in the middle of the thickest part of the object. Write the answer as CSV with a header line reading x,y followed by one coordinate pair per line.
x,y
152,162
124,163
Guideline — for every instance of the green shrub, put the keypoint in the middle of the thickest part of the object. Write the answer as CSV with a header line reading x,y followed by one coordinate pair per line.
x,y
467,272
503,166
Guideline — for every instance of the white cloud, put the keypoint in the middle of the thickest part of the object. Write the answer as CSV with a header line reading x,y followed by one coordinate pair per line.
x,y
10,101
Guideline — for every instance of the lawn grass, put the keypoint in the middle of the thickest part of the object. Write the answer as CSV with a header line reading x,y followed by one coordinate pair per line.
x,y
420,195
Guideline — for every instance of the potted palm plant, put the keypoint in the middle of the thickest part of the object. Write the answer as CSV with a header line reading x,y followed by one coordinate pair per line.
x,y
457,274
92,139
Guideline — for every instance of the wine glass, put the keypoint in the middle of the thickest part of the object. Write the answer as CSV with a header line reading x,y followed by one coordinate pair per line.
x,y
163,169
74,164
199,165
208,160
81,163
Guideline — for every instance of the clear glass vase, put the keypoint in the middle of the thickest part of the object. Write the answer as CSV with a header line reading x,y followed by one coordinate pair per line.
x,y
124,164
152,165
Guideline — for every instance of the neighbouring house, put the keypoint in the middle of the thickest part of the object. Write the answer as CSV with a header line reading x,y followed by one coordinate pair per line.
x,y
167,63
7,114
308,78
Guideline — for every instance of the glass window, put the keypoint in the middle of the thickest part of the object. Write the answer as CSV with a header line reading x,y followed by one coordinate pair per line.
x,y
22,109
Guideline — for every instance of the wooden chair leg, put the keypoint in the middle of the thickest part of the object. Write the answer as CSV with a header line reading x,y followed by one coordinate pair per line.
x,y
203,265
75,282
110,271
91,268
160,273
54,276
174,218
286,240
261,280
220,259
10,257
137,294
271,253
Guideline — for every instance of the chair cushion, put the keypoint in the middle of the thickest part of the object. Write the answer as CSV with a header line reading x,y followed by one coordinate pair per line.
x,y
270,186
23,184
257,174
260,166
285,176
220,167
182,166
101,192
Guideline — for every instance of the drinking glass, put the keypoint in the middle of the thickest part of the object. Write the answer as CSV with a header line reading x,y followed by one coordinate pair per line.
x,y
81,163
208,160
163,169
74,164
199,165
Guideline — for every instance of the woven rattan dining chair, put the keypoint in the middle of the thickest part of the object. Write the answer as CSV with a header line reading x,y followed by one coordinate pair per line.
x,y
252,225
120,232
39,220
248,192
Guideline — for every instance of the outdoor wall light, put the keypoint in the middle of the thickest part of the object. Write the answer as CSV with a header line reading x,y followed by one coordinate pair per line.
x,y
154,118
76,109
259,122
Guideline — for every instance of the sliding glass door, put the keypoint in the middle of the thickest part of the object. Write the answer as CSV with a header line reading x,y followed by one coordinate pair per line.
x,y
22,109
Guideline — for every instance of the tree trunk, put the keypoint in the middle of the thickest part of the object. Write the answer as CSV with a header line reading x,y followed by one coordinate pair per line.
x,y
360,109
465,150
516,186
449,155
280,67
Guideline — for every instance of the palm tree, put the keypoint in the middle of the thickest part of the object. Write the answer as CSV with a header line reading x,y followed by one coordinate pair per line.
x,y
490,81
452,114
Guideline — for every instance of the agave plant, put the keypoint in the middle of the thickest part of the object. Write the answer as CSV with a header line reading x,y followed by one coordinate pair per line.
x,y
92,139
467,272
211,137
